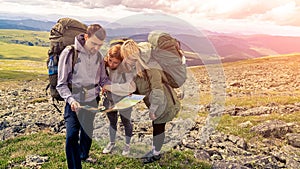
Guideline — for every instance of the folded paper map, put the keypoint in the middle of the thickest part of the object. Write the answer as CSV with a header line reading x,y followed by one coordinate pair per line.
x,y
126,102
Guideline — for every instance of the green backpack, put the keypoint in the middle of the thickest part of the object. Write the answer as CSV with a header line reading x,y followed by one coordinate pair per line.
x,y
165,49
62,35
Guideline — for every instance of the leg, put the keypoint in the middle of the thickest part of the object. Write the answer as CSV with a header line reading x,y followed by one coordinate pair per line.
x,y
113,119
86,120
158,135
158,140
72,132
126,120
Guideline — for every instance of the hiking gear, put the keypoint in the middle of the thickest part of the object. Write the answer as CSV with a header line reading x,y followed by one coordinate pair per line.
x,y
86,78
90,160
159,96
126,150
62,34
53,76
108,148
78,135
150,157
165,49
158,136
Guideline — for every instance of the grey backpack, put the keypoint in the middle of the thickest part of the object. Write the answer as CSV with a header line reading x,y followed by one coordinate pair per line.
x,y
166,51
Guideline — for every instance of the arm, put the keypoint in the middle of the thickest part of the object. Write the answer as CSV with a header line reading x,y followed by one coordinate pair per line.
x,y
64,76
123,89
157,97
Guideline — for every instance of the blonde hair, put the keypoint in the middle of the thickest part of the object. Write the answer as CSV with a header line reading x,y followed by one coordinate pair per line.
x,y
131,54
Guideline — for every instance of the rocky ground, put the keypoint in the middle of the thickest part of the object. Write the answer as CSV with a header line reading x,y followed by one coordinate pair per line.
x,y
25,109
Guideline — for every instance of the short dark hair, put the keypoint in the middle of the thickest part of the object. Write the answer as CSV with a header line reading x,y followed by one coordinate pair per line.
x,y
97,30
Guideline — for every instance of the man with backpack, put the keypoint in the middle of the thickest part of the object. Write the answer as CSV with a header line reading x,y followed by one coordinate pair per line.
x,y
79,85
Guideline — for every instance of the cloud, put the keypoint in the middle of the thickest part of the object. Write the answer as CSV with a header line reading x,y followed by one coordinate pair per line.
x,y
98,4
282,12
287,14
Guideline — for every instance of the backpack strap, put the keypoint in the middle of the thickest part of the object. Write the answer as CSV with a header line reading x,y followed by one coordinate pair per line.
x,y
124,77
147,78
75,57
55,106
106,70
99,56
170,91
74,54
47,87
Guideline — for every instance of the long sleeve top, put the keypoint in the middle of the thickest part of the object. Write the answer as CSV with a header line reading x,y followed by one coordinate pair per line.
x,y
88,71
122,85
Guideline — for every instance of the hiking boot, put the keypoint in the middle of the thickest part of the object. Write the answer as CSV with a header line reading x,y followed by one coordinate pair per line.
x,y
90,160
126,150
108,148
150,157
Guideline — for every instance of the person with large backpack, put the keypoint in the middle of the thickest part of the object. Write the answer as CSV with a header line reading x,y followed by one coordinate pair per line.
x,y
79,86
160,97
62,35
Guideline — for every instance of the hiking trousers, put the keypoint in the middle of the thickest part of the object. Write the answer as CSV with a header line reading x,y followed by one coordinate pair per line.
x,y
79,131
125,116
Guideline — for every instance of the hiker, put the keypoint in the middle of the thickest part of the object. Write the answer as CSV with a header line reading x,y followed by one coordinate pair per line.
x,y
80,87
112,61
160,98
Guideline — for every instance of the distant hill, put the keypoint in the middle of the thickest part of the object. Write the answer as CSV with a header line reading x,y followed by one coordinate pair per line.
x,y
238,47
229,47
27,24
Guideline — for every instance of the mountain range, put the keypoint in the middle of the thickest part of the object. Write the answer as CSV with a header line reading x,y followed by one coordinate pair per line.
x,y
199,44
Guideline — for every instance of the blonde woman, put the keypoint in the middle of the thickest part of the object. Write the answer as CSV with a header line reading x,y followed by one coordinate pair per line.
x,y
160,98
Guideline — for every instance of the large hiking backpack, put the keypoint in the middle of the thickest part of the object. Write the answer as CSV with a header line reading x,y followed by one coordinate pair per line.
x,y
62,34
166,51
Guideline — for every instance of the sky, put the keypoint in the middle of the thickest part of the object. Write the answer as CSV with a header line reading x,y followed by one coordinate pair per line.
x,y
280,17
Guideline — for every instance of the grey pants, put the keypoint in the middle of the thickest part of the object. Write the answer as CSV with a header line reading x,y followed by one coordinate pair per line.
x,y
125,119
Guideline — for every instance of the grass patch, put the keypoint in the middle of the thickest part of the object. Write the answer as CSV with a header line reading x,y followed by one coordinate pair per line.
x,y
20,62
256,101
36,38
21,69
230,124
14,151
38,100
23,52
17,75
